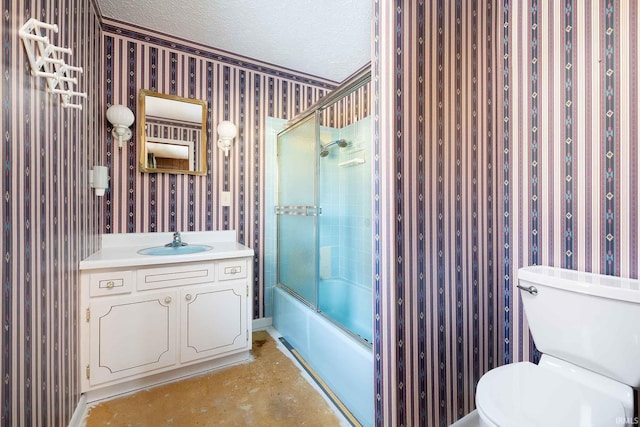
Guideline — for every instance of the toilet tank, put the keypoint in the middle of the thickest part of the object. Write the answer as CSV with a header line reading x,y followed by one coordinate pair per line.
x,y
589,320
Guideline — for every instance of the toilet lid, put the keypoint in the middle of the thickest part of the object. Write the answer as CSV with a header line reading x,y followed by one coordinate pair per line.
x,y
524,394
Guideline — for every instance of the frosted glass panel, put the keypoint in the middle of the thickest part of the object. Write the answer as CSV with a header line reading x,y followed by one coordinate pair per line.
x,y
297,244
297,255
296,165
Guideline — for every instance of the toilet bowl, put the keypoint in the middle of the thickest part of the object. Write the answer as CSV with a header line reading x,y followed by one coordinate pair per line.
x,y
588,328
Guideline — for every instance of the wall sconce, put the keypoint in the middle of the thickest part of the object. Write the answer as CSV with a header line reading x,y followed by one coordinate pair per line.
x,y
121,118
99,179
226,132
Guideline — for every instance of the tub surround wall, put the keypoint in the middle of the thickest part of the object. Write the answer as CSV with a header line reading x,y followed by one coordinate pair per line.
x,y
345,198
522,150
50,217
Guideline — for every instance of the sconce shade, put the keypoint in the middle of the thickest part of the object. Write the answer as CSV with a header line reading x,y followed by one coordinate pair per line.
x,y
226,132
120,115
121,118
226,129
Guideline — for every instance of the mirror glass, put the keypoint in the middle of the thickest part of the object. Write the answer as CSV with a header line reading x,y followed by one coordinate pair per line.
x,y
172,134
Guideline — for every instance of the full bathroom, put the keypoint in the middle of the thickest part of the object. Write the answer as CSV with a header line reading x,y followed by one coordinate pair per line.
x,y
407,227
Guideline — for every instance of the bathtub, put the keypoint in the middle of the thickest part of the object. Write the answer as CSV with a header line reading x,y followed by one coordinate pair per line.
x,y
347,303
344,362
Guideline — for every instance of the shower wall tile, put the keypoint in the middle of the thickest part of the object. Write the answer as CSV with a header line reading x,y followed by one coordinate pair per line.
x,y
50,217
355,201
329,187
345,198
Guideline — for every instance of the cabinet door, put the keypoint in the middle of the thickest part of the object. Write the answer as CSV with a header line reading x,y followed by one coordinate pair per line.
x,y
132,335
213,320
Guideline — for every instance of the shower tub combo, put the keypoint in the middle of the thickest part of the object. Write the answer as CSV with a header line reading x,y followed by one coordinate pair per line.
x,y
322,303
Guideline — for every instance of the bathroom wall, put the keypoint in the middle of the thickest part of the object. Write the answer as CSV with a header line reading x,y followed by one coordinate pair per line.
x,y
50,218
572,169
507,135
235,88
434,192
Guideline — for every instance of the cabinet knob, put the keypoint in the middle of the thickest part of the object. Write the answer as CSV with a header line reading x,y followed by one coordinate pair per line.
x,y
188,297
110,284
167,300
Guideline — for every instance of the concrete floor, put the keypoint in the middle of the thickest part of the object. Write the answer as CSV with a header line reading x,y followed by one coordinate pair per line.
x,y
269,391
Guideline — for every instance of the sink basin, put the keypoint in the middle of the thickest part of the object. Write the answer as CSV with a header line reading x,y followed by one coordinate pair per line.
x,y
178,250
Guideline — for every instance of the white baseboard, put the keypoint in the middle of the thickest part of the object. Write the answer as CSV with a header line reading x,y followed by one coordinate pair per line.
x,y
472,419
262,323
79,417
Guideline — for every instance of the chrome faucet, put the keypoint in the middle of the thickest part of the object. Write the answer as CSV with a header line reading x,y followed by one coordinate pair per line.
x,y
177,241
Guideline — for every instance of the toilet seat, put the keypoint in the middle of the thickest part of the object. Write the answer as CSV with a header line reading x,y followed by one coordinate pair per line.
x,y
523,394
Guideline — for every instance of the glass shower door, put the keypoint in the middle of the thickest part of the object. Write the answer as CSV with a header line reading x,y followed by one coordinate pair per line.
x,y
297,209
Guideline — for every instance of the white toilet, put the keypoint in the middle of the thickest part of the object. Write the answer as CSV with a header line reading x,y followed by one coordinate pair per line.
x,y
588,328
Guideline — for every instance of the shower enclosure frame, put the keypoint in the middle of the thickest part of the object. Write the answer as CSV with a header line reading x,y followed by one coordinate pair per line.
x,y
357,80
304,210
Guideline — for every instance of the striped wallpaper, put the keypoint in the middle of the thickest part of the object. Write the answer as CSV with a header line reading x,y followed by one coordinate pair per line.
x,y
506,135
435,314
572,169
349,109
235,88
50,218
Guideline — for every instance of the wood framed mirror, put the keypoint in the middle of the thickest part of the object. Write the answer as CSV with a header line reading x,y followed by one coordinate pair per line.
x,y
172,134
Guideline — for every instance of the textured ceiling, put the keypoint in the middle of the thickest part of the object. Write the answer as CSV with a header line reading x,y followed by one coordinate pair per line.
x,y
324,38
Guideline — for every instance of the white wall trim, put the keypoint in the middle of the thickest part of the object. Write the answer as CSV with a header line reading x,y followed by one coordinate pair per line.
x,y
79,417
262,323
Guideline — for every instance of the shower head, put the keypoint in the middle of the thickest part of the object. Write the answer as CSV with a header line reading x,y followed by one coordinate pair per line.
x,y
324,149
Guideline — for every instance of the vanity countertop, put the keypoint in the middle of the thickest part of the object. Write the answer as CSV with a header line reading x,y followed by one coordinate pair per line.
x,y
121,250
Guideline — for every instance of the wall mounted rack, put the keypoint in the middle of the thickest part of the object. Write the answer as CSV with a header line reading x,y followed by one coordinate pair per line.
x,y
44,58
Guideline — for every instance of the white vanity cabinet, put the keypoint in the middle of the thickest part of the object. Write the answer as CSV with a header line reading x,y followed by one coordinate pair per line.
x,y
213,320
163,321
130,335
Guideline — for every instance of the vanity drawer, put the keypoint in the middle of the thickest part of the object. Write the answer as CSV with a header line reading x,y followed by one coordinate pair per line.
x,y
232,269
110,283
177,275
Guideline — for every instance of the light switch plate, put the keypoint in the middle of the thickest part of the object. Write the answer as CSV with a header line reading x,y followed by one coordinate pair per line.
x,y
225,198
